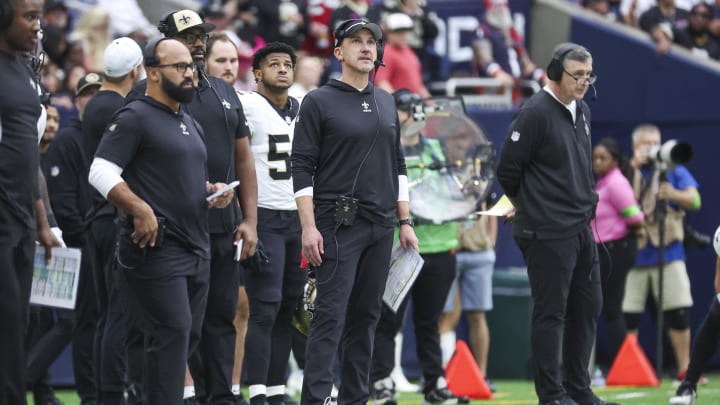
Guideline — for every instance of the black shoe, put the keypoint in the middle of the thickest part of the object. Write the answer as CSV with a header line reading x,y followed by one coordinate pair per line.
x,y
240,400
440,394
561,401
383,392
685,395
191,401
596,401
290,400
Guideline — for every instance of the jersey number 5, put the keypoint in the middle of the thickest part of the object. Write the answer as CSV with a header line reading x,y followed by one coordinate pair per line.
x,y
279,156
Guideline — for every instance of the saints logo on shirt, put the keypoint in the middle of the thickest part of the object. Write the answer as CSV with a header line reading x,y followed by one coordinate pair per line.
x,y
366,107
184,130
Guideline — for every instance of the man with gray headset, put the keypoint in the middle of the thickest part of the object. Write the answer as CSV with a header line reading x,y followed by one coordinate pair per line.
x,y
546,170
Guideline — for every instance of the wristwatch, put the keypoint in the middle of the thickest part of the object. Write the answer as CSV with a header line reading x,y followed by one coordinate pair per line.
x,y
406,221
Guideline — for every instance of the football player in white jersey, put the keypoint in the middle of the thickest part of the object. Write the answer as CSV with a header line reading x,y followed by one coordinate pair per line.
x,y
222,62
275,286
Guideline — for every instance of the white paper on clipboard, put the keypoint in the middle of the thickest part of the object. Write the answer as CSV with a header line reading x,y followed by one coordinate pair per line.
x,y
501,207
405,266
56,284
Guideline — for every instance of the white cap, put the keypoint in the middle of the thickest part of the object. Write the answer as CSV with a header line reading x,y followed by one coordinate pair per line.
x,y
398,22
121,56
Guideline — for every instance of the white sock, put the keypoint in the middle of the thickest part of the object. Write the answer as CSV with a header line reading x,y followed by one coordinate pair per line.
x,y
235,389
257,389
275,390
447,345
189,391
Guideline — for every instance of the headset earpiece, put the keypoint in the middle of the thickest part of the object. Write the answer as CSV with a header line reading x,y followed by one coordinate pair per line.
x,y
162,26
555,69
6,14
380,43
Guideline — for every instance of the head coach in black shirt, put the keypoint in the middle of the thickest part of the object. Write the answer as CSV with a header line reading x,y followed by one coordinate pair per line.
x,y
19,194
546,170
218,110
163,241
122,66
350,186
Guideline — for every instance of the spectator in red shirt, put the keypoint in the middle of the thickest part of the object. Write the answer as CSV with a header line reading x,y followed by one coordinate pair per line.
x,y
402,66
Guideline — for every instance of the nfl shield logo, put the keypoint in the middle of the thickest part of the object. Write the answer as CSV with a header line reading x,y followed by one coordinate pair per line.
x,y
515,136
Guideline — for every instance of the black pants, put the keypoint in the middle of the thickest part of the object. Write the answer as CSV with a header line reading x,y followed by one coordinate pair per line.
x,y
350,285
17,250
614,266
565,282
111,330
86,319
42,320
273,293
706,342
50,332
212,363
428,296
170,286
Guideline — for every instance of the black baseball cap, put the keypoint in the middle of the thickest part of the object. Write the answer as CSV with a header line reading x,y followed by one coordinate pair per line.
x,y
179,21
89,80
350,27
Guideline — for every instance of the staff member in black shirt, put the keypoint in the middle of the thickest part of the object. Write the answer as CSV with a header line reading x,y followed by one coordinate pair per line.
x,y
66,172
350,188
218,110
122,67
19,194
546,171
163,241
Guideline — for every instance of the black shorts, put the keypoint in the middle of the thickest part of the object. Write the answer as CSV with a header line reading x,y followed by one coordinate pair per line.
x,y
280,276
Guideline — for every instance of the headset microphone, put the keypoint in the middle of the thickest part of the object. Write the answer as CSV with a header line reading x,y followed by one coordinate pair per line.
x,y
594,96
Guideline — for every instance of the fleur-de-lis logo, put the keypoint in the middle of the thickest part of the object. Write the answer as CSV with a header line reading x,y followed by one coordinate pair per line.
x,y
366,107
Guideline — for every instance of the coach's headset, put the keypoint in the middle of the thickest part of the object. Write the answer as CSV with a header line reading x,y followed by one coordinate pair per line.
x,y
556,69
342,31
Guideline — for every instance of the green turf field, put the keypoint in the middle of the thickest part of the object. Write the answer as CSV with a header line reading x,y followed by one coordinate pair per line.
x,y
513,392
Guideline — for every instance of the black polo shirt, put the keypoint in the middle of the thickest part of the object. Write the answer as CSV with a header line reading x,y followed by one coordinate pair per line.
x,y
98,112
66,172
163,157
217,108
19,155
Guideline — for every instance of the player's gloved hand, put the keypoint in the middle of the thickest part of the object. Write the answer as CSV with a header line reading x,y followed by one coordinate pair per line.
x,y
256,261
58,234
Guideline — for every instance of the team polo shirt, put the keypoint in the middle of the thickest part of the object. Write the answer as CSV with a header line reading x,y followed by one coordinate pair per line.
x,y
163,157
217,108
98,113
19,155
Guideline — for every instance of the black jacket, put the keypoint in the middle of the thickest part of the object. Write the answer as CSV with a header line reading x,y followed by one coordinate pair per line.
x,y
546,169
66,173
347,142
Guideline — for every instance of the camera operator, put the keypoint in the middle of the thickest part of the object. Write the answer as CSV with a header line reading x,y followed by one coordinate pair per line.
x,y
656,182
